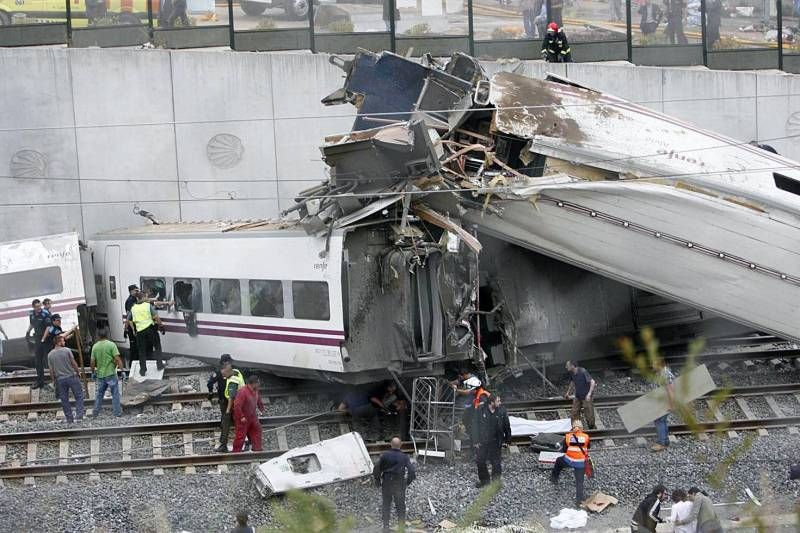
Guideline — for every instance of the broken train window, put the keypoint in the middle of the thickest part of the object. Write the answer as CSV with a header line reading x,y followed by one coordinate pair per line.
x,y
188,295
304,464
226,296
310,299
266,298
154,288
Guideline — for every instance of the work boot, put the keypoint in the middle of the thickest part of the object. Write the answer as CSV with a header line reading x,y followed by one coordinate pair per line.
x,y
222,448
142,370
481,484
657,447
37,386
160,365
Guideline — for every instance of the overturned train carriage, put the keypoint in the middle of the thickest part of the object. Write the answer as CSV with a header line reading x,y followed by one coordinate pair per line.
x,y
367,296
628,217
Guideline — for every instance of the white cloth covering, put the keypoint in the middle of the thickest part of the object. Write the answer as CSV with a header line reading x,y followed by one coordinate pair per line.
x,y
569,518
522,426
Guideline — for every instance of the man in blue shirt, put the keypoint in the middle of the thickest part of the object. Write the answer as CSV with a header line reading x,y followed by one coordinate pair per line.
x,y
393,473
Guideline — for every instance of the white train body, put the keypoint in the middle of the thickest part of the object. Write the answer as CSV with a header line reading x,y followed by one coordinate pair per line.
x,y
271,295
45,267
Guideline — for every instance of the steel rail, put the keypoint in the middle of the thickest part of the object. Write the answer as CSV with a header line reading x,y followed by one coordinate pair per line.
x,y
29,378
619,399
175,397
178,461
327,417
267,422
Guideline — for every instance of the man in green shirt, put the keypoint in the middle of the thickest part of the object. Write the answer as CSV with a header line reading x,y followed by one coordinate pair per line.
x,y
105,363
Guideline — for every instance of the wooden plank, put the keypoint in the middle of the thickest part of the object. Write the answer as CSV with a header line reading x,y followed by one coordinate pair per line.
x,y
94,450
742,403
774,406
721,418
157,446
32,449
188,444
283,443
600,425
313,433
63,452
530,415
126,448
648,407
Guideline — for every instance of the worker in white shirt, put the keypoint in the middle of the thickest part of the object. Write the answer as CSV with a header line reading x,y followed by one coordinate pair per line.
x,y
681,508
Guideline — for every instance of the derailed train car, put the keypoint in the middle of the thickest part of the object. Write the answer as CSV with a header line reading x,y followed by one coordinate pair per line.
x,y
630,217
369,295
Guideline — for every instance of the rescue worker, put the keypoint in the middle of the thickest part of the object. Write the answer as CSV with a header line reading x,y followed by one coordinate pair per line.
x,y
580,391
129,331
145,320
217,380
393,472
645,518
577,452
233,382
47,305
555,47
490,431
51,332
662,375
39,321
244,411
388,402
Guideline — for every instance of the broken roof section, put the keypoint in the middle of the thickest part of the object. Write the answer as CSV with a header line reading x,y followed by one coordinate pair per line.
x,y
387,88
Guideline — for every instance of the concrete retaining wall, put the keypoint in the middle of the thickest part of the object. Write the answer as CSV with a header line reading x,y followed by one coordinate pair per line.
x,y
87,134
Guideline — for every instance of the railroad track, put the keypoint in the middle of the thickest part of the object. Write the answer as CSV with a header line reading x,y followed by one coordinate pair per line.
x,y
26,377
188,441
175,400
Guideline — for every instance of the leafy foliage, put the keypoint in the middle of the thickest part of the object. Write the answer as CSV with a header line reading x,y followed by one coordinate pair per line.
x,y
308,513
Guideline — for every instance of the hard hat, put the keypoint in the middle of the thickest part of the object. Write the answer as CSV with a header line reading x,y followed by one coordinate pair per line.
x,y
552,26
472,383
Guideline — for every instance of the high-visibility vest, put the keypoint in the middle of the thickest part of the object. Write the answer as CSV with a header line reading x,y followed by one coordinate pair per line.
x,y
237,378
577,446
141,315
479,393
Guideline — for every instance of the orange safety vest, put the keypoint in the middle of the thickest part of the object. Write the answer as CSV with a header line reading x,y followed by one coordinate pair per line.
x,y
479,392
577,446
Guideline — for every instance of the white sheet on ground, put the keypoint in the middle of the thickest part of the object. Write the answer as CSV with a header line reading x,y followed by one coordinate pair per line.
x,y
522,426
569,518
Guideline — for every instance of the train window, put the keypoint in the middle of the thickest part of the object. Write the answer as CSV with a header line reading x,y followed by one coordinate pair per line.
x,y
112,286
266,297
785,183
30,283
154,288
310,299
226,296
188,295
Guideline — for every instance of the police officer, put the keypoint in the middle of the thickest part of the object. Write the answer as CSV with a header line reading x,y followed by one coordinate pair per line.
x,y
233,382
393,473
39,321
51,332
145,320
577,443
490,431
130,332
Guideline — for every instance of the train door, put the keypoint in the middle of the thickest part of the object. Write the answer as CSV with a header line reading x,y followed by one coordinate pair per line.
x,y
115,296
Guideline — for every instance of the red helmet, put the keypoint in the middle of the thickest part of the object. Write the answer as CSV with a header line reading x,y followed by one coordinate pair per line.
x,y
552,26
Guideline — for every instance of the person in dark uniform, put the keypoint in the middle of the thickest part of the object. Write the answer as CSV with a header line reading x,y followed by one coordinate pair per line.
x,y
51,332
394,472
388,401
218,380
130,333
674,29
490,431
555,47
39,321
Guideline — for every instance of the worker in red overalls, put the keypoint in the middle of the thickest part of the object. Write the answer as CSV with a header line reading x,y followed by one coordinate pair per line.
x,y
246,407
